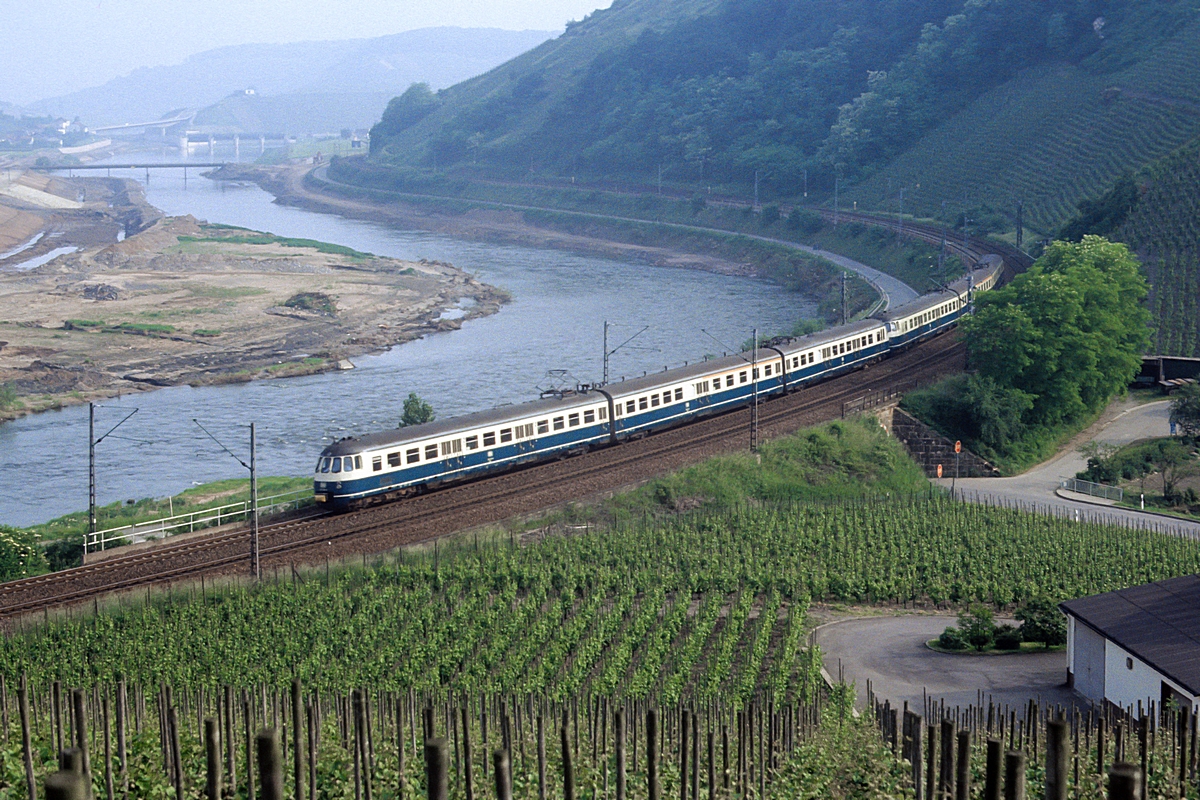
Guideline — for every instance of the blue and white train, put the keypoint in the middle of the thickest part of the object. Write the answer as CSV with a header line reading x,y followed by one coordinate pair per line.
x,y
382,466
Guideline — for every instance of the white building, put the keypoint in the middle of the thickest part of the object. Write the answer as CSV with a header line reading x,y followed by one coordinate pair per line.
x,y
1137,645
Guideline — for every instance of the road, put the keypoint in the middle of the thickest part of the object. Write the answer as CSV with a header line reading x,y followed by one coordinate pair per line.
x,y
890,652
1123,423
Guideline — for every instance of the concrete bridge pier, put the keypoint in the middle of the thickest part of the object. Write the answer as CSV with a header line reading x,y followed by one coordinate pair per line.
x,y
237,147
262,145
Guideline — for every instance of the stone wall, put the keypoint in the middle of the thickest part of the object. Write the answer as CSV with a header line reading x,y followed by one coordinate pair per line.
x,y
929,448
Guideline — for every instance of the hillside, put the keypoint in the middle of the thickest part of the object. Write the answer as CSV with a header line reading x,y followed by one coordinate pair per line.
x,y
895,94
1164,229
1054,135
300,112
382,66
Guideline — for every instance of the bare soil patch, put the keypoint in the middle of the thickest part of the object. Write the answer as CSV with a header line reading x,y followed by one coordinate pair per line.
x,y
181,302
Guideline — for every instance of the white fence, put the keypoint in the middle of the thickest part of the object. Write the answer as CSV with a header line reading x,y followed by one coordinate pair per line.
x,y
1093,489
193,520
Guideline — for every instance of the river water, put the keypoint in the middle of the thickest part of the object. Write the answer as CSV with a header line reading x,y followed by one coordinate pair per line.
x,y
555,322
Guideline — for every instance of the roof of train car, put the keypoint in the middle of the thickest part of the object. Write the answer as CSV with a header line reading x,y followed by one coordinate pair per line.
x,y
958,288
685,373
479,419
808,341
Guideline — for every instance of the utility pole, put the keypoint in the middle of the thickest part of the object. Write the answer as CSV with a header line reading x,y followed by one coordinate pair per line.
x,y
92,442
1020,223
966,240
806,183
660,179
844,297
837,179
91,473
756,190
900,216
253,467
754,391
254,506
608,352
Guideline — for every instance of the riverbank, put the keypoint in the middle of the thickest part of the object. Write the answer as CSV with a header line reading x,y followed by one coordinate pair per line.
x,y
179,302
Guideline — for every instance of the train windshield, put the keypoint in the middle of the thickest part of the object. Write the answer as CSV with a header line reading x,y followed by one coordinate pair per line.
x,y
324,465
337,464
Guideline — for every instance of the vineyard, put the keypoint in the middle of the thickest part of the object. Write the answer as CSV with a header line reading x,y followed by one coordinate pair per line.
x,y
705,611
1164,228
1051,137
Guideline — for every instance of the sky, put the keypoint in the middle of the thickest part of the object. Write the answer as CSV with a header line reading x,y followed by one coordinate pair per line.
x,y
52,47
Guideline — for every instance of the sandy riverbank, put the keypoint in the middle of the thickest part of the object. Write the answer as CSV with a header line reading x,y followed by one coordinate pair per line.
x,y
180,302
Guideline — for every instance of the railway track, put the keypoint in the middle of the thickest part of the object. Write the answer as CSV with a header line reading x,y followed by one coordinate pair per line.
x,y
973,249
491,500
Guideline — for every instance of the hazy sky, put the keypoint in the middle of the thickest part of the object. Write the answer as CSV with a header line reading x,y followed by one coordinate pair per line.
x,y
51,47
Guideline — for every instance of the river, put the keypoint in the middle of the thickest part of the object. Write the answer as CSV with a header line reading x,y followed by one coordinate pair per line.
x,y
555,322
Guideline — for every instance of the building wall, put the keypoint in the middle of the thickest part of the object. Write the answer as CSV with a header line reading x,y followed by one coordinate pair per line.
x,y
1086,655
1129,680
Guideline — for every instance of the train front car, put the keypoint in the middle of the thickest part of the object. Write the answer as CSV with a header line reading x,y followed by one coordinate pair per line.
x,y
392,464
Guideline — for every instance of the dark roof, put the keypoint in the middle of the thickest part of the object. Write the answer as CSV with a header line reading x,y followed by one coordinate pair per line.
x,y
1158,622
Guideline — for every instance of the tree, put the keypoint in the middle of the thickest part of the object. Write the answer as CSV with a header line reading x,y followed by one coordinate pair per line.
x,y
1069,332
1041,621
1185,410
1173,462
978,626
402,112
20,555
416,411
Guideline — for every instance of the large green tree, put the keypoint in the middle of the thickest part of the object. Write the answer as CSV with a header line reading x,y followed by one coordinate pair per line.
x,y
1069,332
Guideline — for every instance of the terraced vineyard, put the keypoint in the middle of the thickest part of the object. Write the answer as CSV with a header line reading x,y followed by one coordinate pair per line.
x,y
1051,137
1164,228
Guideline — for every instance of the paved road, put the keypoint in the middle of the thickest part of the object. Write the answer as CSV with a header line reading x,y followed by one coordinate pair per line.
x,y
1035,489
891,653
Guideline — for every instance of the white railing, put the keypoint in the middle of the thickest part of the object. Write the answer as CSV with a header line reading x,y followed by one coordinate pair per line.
x,y
191,521
1093,489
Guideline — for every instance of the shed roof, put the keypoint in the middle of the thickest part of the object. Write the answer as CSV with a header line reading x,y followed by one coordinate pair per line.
x,y
1158,622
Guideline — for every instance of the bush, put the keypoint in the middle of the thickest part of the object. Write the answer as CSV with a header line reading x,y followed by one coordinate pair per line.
x,y
1008,638
952,639
1041,621
20,555
978,626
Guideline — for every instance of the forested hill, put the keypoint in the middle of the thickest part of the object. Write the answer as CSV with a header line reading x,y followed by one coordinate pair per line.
x,y
712,90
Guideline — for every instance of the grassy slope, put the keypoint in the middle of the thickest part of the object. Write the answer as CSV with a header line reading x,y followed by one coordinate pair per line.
x,y
1051,137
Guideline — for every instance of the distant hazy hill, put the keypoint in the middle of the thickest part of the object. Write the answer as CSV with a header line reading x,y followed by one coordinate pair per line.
x,y
370,68
953,101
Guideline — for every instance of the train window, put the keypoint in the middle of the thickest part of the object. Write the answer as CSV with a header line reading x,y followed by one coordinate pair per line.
x,y
589,416
431,451
324,465
376,463
728,384
543,426
654,401
630,407
358,462
505,435
795,363
604,411
742,376
337,465
679,392
767,369
643,404
411,456
525,431
472,442
489,438
573,420
451,447
558,423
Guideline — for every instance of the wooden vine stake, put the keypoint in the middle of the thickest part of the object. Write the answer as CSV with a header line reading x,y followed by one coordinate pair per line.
x,y
503,772
270,765
437,773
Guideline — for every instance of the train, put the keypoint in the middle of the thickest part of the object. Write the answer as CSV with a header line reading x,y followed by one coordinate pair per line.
x,y
388,465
